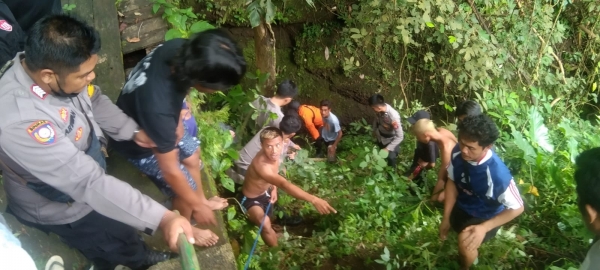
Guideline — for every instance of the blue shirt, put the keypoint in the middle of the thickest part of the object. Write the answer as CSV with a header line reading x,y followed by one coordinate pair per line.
x,y
331,128
485,188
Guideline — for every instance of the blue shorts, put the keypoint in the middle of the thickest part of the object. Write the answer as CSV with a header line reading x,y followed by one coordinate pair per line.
x,y
149,166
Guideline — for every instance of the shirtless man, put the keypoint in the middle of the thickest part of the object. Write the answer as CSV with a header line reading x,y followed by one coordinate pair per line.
x,y
262,180
425,131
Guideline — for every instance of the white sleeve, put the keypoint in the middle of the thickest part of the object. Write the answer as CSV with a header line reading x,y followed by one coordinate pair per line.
x,y
450,170
511,198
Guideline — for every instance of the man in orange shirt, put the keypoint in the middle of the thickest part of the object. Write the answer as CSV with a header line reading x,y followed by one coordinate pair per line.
x,y
311,116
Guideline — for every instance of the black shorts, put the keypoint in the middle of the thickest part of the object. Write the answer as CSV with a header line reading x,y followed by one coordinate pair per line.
x,y
459,220
261,201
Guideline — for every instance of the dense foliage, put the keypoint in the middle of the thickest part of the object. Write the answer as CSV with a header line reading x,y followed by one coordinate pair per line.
x,y
533,65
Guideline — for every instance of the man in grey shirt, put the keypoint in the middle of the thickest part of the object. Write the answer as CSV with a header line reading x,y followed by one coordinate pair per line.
x,y
331,132
286,92
51,152
587,178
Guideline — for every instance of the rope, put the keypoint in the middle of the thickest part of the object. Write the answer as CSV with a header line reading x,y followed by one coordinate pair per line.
x,y
257,236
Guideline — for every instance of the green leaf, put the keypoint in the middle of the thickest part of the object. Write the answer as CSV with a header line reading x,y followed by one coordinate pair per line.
x,y
310,3
270,12
355,30
430,24
594,86
356,36
201,26
383,153
227,183
155,8
254,14
572,144
363,165
451,39
172,33
231,213
529,152
538,132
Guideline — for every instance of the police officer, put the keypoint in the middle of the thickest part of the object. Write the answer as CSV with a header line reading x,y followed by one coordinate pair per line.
x,y
51,141
387,128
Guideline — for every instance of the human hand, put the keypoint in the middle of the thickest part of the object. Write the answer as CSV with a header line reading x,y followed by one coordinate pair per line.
x,y
422,163
297,147
475,236
232,133
444,229
274,196
204,215
322,206
292,155
172,225
142,139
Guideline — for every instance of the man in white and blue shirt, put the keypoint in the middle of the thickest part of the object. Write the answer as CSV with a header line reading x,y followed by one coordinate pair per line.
x,y
331,132
482,195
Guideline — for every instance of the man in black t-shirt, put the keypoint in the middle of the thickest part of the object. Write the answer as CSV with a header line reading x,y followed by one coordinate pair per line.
x,y
210,61
425,153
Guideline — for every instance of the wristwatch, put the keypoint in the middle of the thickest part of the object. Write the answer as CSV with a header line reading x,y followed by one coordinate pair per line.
x,y
135,132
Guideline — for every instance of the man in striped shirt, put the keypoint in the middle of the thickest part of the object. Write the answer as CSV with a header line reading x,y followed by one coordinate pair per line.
x,y
482,195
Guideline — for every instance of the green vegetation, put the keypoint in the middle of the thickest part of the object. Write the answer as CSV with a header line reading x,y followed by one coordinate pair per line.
x,y
533,65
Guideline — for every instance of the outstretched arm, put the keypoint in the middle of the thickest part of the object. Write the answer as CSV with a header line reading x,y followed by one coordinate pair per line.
x,y
279,181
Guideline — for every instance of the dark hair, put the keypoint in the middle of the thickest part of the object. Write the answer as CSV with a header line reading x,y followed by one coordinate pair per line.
x,y
211,59
376,100
587,178
290,124
478,128
286,89
326,103
294,105
60,43
468,108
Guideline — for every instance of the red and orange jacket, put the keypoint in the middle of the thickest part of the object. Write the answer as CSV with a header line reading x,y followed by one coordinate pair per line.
x,y
313,121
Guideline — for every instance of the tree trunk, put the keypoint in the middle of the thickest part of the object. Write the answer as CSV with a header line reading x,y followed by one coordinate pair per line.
x,y
264,44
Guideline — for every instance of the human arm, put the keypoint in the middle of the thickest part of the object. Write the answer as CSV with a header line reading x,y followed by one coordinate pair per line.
x,y
312,129
170,167
338,129
111,119
60,164
274,194
279,181
451,193
432,151
511,199
398,132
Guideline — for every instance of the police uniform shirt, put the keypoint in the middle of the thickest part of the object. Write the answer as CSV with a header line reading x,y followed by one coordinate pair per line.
x,y
43,139
485,188
388,129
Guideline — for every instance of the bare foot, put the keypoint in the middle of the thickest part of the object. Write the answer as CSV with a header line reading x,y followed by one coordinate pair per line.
x,y
217,203
205,238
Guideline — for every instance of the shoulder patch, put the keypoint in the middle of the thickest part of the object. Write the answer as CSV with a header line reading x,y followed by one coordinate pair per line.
x,y
78,133
64,114
38,91
4,25
43,132
90,90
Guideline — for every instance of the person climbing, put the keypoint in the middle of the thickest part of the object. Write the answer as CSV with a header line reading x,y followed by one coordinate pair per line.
x,y
286,92
387,128
425,153
209,61
311,116
425,131
587,180
331,132
262,181
481,195
51,152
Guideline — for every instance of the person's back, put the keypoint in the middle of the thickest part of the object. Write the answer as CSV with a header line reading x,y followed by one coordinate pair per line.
x,y
313,121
